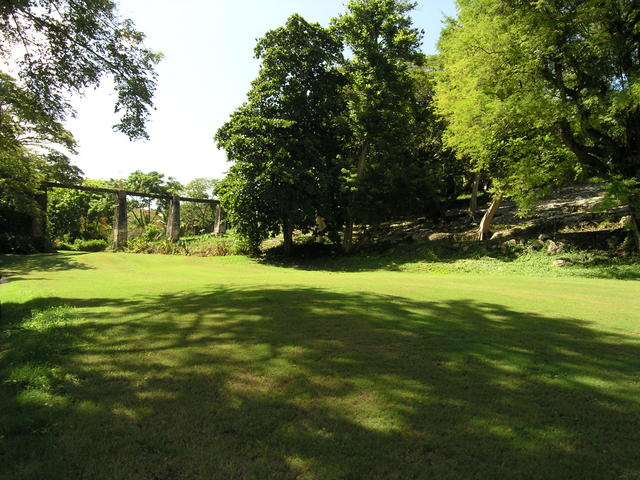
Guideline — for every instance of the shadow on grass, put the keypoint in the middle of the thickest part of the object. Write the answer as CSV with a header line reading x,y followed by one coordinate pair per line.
x,y
443,254
309,383
14,266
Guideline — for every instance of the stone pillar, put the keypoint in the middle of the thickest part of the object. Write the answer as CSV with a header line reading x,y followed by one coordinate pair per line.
x,y
220,226
173,220
39,222
120,222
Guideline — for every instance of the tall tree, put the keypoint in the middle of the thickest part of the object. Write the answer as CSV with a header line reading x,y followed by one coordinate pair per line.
x,y
434,175
383,43
546,88
282,141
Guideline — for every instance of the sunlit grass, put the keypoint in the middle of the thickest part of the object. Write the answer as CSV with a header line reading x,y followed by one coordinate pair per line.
x,y
182,367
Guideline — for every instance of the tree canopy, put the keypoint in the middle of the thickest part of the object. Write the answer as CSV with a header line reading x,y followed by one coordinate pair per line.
x,y
282,139
538,92
379,99
61,47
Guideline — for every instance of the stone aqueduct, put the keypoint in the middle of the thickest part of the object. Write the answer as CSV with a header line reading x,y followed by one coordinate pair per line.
x,y
120,219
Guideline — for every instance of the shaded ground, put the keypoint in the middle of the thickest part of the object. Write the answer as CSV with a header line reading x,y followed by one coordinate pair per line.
x,y
567,215
445,257
251,374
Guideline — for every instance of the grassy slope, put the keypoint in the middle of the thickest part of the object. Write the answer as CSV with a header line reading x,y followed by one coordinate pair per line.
x,y
187,367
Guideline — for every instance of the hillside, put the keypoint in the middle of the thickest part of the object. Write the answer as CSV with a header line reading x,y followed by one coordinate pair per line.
x,y
564,218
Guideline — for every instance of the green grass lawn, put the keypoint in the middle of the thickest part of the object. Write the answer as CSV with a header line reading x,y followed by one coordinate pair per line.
x,y
162,367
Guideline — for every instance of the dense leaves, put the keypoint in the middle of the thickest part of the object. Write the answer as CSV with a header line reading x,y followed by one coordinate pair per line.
x,y
352,139
283,140
198,218
383,42
65,46
145,210
537,92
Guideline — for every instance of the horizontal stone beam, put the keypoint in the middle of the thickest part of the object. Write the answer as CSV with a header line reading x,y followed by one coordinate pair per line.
x,y
128,193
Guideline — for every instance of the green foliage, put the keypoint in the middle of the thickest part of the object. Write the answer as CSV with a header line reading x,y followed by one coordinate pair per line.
x,y
205,245
152,182
379,104
620,191
497,112
11,242
62,47
21,174
20,178
282,140
28,134
536,93
198,218
162,246
151,233
80,214
24,122
79,245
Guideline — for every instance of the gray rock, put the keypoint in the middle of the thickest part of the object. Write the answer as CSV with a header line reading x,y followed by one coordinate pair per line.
x,y
537,243
441,236
561,262
502,234
554,248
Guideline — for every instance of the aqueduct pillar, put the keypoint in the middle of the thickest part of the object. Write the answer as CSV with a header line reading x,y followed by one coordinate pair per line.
x,y
173,219
220,225
120,221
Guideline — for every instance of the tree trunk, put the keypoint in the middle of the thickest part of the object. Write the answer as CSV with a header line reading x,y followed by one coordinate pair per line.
x,y
287,232
473,203
485,223
347,241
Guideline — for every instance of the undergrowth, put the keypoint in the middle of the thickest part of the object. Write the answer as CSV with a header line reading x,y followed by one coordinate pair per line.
x,y
80,245
206,245
443,257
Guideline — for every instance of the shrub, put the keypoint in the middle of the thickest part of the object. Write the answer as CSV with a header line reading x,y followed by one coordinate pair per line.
x,y
64,245
80,245
201,245
90,245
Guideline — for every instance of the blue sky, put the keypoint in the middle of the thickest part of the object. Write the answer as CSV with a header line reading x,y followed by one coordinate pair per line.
x,y
205,74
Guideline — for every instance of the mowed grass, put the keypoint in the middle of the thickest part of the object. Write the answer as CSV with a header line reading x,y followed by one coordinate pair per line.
x,y
223,368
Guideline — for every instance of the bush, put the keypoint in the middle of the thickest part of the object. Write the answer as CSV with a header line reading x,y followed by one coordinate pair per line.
x,y
151,233
200,245
90,245
64,245
79,245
